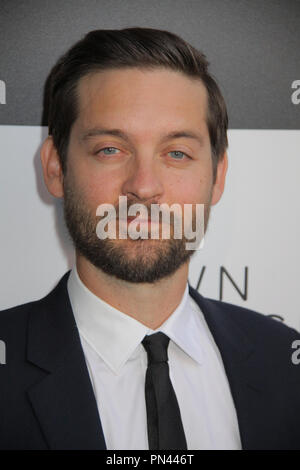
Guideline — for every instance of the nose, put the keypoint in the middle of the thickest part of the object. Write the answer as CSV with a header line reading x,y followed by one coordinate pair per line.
x,y
143,180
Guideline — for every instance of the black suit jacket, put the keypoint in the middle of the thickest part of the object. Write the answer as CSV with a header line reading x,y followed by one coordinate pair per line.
x,y
47,400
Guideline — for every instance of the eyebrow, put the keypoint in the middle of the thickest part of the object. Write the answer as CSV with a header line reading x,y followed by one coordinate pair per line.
x,y
119,133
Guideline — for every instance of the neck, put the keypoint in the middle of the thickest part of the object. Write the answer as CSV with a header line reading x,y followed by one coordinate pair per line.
x,y
150,304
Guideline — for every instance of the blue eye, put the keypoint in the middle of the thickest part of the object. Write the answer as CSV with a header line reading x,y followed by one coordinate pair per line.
x,y
108,150
178,155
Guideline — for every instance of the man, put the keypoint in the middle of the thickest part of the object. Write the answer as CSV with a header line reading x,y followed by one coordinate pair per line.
x,y
123,353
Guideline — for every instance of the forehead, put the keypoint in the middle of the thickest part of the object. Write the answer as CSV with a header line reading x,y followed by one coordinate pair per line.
x,y
141,99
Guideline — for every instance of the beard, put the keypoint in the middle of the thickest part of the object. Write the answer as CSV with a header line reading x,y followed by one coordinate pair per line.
x,y
135,261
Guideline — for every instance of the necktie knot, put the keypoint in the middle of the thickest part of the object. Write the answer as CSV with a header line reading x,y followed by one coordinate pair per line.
x,y
164,425
156,346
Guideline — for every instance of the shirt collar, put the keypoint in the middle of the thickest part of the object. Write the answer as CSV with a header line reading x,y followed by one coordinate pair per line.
x,y
115,336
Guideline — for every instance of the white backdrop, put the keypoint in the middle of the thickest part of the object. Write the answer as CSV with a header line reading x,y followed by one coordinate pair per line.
x,y
254,226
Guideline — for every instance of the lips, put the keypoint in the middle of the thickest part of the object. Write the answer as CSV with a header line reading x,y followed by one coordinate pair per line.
x,y
130,219
137,219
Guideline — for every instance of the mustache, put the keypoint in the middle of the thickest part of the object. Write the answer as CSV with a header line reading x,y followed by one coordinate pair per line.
x,y
155,211
164,213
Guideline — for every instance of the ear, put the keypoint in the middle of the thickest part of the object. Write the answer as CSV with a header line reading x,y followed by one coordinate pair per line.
x,y
219,184
52,170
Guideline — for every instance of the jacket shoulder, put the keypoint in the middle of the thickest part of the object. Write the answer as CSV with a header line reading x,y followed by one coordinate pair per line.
x,y
14,320
253,320
15,314
259,328
269,345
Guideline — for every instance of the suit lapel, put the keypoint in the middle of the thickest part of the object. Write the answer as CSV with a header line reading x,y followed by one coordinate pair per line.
x,y
64,401
246,375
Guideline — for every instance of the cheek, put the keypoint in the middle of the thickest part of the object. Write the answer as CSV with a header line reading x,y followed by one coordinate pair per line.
x,y
95,186
100,190
93,189
191,190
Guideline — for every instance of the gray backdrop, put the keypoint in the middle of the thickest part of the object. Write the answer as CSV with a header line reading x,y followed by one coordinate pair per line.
x,y
253,47
251,255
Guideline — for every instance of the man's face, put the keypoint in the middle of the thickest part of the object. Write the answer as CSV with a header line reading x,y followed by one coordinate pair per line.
x,y
141,134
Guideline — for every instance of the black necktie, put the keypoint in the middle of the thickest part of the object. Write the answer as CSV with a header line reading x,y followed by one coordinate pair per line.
x,y
165,430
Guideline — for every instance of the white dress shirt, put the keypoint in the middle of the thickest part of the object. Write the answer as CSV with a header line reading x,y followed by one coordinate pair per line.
x,y
117,363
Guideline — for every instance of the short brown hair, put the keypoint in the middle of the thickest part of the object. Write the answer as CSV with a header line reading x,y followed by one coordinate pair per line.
x,y
131,47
